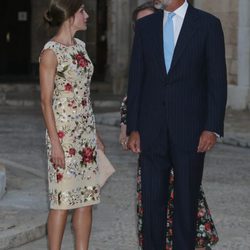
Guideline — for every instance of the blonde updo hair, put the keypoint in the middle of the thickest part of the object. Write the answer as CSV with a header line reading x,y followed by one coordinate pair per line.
x,y
61,10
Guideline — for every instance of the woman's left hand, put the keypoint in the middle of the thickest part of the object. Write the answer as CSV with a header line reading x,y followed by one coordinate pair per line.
x,y
123,139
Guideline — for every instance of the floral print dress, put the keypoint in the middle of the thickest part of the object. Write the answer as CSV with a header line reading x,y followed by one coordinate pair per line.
x,y
206,234
77,184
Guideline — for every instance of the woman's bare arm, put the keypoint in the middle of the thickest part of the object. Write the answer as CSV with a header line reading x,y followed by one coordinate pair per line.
x,y
47,70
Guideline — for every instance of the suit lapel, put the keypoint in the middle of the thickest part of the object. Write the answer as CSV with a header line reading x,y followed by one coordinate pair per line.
x,y
187,31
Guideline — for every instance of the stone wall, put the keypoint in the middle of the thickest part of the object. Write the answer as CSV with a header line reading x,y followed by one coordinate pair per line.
x,y
235,17
90,35
2,181
239,96
119,36
227,11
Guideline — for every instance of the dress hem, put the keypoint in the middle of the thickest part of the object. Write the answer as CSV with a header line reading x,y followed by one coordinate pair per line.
x,y
76,206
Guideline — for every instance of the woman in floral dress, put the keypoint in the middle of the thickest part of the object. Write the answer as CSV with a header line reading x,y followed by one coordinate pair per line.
x,y
206,232
65,76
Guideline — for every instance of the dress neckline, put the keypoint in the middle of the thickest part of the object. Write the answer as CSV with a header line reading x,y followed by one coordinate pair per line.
x,y
64,45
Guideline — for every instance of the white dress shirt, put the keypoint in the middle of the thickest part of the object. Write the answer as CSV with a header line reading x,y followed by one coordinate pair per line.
x,y
178,19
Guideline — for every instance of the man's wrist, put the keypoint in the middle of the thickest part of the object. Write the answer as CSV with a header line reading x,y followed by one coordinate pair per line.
x,y
217,135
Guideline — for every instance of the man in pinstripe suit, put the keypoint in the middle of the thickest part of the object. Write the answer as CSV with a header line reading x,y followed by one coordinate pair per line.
x,y
176,106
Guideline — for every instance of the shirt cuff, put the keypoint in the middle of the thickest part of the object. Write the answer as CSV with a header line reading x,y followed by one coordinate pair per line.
x,y
217,135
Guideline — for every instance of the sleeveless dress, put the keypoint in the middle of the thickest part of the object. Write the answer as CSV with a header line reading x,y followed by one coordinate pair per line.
x,y
206,233
77,184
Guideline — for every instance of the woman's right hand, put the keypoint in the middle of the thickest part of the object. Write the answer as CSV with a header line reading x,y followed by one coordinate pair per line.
x,y
57,155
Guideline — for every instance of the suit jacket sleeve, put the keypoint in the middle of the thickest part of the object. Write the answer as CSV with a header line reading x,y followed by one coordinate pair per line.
x,y
136,72
216,79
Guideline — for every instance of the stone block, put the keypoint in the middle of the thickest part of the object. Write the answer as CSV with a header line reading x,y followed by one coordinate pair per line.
x,y
2,181
233,36
234,67
229,51
215,5
2,98
232,79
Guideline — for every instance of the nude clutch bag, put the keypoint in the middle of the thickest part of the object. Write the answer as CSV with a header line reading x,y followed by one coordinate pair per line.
x,y
106,169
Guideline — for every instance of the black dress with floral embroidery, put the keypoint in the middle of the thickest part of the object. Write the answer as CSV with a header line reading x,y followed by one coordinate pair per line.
x,y
206,234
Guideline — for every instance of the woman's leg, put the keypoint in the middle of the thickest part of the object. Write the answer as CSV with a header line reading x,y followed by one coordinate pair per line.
x,y
82,222
56,225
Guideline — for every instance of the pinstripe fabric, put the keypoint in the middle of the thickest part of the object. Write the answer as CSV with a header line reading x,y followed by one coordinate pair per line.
x,y
187,100
195,89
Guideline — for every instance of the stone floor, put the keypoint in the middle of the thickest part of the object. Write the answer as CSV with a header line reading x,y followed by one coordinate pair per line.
x,y
226,183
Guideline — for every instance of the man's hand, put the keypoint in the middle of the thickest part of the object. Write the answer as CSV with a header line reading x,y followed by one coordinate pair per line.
x,y
134,142
207,141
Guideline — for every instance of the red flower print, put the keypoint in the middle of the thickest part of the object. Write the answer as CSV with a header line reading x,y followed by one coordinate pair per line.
x,y
60,134
208,227
214,238
139,196
81,60
141,242
84,102
171,178
83,63
201,213
87,155
78,57
68,87
72,151
172,195
201,242
53,164
140,210
59,177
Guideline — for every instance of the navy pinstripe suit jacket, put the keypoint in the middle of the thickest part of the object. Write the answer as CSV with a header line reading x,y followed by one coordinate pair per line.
x,y
192,96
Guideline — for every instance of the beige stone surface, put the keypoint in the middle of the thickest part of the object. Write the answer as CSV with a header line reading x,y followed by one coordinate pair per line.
x,y
227,12
2,181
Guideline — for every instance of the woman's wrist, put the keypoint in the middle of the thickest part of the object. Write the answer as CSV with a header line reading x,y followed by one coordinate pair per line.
x,y
55,142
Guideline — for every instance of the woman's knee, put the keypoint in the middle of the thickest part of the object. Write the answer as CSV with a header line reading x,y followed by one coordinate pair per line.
x,y
58,212
80,215
84,210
